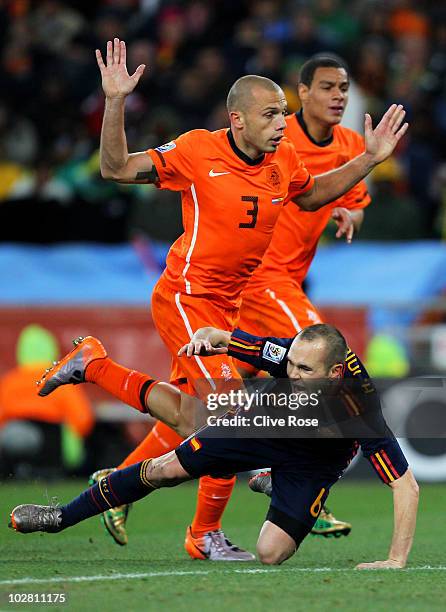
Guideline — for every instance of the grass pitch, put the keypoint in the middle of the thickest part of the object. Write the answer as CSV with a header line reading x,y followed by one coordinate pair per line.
x,y
154,573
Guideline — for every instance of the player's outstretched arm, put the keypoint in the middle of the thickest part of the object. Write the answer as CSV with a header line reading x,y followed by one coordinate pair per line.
x,y
405,504
380,143
116,162
207,341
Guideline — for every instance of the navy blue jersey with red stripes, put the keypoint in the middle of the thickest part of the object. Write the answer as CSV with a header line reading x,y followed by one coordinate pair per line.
x,y
384,453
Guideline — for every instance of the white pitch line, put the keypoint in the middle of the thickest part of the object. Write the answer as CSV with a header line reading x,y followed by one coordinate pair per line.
x,y
103,577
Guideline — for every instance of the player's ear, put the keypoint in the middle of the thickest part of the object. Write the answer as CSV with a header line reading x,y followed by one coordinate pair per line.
x,y
303,90
237,119
336,370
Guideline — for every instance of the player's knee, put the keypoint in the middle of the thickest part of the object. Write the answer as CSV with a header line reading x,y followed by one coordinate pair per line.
x,y
268,558
272,555
276,543
166,471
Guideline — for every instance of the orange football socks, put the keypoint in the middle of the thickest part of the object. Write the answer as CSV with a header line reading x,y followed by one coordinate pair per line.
x,y
160,440
130,386
213,495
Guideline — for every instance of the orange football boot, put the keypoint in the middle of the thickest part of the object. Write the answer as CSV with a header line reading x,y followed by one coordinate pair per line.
x,y
215,546
71,368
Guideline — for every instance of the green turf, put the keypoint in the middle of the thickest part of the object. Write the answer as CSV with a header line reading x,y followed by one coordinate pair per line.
x,y
156,530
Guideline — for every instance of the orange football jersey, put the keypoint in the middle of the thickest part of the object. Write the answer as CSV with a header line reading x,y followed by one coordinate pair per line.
x,y
231,204
297,232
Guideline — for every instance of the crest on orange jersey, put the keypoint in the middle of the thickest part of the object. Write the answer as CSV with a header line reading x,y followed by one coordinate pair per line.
x,y
273,176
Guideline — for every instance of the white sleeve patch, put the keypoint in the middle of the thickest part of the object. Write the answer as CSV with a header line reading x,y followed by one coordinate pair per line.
x,y
166,147
273,352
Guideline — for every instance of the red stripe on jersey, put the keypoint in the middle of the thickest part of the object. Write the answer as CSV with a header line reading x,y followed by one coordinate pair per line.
x,y
378,469
237,349
246,342
389,464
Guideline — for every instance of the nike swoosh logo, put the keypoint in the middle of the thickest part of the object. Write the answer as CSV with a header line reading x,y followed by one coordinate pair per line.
x,y
212,173
203,552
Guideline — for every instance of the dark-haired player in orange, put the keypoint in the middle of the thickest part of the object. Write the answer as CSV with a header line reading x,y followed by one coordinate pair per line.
x,y
234,184
274,299
274,294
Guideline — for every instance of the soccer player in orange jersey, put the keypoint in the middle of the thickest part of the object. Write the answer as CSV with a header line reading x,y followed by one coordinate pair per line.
x,y
234,184
274,298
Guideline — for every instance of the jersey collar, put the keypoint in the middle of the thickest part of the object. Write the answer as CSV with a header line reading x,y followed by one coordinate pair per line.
x,y
321,143
241,155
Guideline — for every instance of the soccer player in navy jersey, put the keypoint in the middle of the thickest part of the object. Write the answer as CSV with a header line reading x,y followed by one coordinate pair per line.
x,y
302,470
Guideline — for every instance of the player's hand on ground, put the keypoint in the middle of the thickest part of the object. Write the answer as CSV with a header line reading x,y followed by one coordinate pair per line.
x,y
116,81
344,222
388,564
381,141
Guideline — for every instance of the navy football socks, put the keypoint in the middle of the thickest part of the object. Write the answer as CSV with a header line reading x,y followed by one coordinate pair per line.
x,y
118,488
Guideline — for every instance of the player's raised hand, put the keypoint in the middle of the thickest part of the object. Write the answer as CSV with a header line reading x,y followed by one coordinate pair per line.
x,y
376,565
381,141
344,221
116,81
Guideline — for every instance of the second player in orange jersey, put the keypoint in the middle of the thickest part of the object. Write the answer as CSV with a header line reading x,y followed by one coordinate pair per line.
x,y
274,297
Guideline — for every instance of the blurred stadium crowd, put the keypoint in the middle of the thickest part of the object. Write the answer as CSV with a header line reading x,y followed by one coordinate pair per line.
x,y
51,191
52,101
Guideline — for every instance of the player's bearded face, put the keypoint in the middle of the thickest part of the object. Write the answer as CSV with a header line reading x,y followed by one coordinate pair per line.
x,y
326,98
264,121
